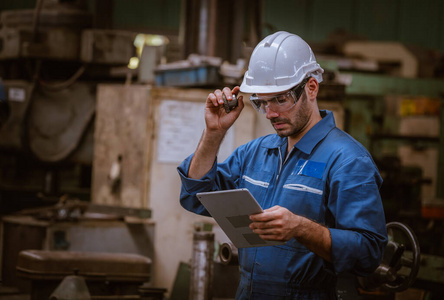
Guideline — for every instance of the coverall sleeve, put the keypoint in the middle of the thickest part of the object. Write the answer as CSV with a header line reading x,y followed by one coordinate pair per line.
x,y
359,234
223,176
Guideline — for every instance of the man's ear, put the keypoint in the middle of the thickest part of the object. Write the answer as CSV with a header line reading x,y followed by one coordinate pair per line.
x,y
312,88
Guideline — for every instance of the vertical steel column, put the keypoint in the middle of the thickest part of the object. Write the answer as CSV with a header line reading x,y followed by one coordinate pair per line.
x,y
440,175
217,27
201,279
204,24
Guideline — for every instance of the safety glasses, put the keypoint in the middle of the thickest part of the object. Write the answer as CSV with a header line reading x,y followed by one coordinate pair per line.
x,y
278,102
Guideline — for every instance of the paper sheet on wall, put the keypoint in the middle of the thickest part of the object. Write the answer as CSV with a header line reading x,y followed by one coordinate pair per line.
x,y
180,129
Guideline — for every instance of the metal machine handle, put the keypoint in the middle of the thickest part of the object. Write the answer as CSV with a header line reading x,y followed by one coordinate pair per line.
x,y
228,254
400,264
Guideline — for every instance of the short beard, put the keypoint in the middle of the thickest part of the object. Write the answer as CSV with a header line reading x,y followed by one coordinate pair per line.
x,y
300,122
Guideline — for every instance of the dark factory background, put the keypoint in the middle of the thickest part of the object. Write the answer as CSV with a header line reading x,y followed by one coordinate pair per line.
x,y
101,100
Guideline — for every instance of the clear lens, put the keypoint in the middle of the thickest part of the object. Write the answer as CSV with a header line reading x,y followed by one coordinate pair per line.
x,y
278,103
258,104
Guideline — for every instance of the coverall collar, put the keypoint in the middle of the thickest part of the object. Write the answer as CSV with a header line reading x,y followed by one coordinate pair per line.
x,y
311,138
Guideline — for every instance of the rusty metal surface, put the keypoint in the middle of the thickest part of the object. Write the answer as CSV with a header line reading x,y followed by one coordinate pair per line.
x,y
228,254
107,46
202,266
68,209
50,123
18,93
22,232
18,237
44,264
18,44
38,33
68,18
58,120
72,287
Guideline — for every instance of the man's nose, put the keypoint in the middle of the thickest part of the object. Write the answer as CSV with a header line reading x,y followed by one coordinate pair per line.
x,y
271,113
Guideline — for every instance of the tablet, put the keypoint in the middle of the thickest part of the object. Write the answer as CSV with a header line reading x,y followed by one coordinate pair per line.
x,y
231,210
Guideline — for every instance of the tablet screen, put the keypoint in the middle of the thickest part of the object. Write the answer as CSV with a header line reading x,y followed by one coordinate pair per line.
x,y
231,210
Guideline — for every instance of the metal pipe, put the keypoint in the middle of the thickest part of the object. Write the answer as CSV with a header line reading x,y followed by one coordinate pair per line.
x,y
202,266
440,176
204,23
228,254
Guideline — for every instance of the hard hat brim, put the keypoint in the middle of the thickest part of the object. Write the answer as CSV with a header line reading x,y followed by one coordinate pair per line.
x,y
264,89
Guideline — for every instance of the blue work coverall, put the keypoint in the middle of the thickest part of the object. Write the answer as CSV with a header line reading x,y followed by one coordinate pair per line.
x,y
328,177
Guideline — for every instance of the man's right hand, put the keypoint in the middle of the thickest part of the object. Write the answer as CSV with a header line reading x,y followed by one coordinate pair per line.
x,y
216,119
217,124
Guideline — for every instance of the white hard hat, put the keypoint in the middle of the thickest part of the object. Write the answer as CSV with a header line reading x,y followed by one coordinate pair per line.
x,y
278,63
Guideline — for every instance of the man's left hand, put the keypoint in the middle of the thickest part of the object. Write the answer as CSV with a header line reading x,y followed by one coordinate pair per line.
x,y
276,223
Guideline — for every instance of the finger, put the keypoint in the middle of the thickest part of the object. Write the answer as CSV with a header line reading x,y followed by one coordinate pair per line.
x,y
228,94
257,217
271,209
218,94
265,216
272,233
276,212
256,225
235,90
263,225
212,99
267,237
266,231
240,102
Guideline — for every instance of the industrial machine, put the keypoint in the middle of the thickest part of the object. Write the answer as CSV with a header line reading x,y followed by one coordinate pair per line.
x,y
41,246
54,56
51,59
400,263
396,273
108,275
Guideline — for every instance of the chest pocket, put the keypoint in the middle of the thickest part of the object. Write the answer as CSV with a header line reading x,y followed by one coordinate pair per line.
x,y
303,195
257,182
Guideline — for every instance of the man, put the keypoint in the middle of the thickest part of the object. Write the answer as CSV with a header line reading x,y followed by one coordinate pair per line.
x,y
318,186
